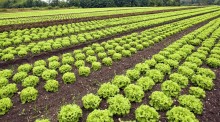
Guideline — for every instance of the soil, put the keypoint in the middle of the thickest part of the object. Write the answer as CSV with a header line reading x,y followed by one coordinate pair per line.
x,y
74,20
48,104
30,57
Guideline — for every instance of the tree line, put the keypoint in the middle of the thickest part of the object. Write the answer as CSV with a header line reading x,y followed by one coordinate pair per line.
x,y
99,3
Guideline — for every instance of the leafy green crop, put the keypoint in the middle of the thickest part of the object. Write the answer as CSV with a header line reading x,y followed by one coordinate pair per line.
x,y
38,70
107,90
91,101
54,65
100,116
3,82
30,81
133,74
180,114
156,75
197,92
202,81
65,68
8,91
146,83
192,103
206,72
134,93
69,113
28,94
96,66
25,68
145,113
6,73
107,61
164,68
119,105
84,71
170,88
69,77
121,81
49,74
19,77
51,86
5,105
160,101
179,79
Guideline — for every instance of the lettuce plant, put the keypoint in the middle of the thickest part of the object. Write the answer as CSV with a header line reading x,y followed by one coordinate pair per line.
x,y
160,101
19,77
134,93
156,75
67,60
116,56
49,74
54,65
145,113
206,72
170,88
65,68
5,105
96,66
192,103
91,101
164,68
80,56
203,82
40,63
84,71
53,58
107,90
30,81
8,91
150,62
180,114
158,58
107,61
121,81
25,68
119,105
79,63
146,83
195,60
126,53
3,82
213,62
133,74
197,92
70,113
69,78
42,120
7,57
91,59
171,63
100,116
142,67
190,65
28,94
102,55
186,71
38,70
51,86
179,79
7,73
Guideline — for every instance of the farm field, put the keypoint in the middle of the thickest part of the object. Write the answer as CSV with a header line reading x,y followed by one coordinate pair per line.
x,y
137,64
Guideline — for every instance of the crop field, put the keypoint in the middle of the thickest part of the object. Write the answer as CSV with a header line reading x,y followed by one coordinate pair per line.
x,y
137,64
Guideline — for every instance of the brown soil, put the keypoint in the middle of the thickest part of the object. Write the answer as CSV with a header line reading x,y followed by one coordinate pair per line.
x,y
48,104
74,20
30,57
